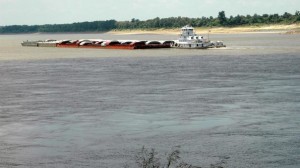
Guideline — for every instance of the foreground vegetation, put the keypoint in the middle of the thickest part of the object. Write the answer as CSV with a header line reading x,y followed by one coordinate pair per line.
x,y
149,158
157,23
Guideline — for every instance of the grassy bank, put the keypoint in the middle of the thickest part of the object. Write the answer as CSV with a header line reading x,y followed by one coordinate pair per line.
x,y
288,29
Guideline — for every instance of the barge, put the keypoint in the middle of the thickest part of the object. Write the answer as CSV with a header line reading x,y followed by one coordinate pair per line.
x,y
188,39
100,44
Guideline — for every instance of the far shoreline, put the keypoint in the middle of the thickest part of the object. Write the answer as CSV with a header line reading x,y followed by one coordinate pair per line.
x,y
275,29
281,29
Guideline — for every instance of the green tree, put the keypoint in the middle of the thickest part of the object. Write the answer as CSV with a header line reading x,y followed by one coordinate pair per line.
x,y
222,18
297,15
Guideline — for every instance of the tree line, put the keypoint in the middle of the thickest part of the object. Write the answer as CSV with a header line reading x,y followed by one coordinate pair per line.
x,y
156,23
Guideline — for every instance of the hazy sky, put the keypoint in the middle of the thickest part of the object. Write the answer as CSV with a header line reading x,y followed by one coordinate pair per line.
x,y
68,11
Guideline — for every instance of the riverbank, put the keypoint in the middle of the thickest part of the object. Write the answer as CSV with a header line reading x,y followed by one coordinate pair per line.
x,y
284,29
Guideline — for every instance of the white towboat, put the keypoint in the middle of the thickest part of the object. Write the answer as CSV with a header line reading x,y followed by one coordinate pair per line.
x,y
189,39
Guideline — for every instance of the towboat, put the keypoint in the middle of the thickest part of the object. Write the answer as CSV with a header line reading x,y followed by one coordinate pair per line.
x,y
190,40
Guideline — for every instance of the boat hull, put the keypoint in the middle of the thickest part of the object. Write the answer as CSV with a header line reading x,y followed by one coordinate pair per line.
x,y
189,46
119,46
199,47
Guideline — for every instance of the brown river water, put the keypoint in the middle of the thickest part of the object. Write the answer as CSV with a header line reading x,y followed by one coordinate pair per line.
x,y
233,107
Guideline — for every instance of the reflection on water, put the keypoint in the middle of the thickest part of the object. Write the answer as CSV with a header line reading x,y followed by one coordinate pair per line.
x,y
95,108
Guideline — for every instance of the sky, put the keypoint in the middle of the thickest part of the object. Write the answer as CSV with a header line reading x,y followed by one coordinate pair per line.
x,y
38,12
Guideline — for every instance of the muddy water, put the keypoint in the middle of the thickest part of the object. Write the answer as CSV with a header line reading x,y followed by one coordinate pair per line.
x,y
234,107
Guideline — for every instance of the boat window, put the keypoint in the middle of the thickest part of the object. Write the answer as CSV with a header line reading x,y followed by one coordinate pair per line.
x,y
192,38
